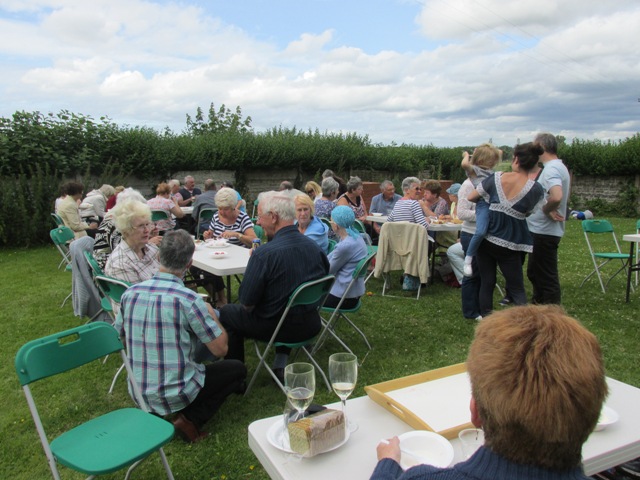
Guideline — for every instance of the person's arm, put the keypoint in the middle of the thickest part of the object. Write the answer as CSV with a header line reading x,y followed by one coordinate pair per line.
x,y
177,211
553,202
474,196
466,165
339,257
419,216
342,201
220,345
364,208
71,217
466,209
375,204
390,449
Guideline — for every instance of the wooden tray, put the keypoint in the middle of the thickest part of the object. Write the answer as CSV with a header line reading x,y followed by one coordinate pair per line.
x,y
437,400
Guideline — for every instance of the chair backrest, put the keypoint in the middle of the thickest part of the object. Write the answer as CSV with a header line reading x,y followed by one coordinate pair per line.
x,y
359,226
596,226
363,266
326,221
65,351
61,235
57,219
638,226
332,245
206,214
112,287
259,231
93,264
311,292
157,215
255,207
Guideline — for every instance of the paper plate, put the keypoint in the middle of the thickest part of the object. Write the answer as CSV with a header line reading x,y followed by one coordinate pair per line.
x,y
217,245
608,416
433,449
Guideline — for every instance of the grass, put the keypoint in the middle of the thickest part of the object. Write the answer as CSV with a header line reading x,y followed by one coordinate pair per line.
x,y
408,337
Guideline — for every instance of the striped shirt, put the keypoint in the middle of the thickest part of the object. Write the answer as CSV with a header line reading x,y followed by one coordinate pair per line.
x,y
242,224
408,211
161,320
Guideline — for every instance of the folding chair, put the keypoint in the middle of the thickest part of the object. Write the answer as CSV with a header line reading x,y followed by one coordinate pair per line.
x,y
259,231
112,290
332,245
61,236
327,222
313,292
104,444
57,220
338,312
592,228
204,215
402,246
253,211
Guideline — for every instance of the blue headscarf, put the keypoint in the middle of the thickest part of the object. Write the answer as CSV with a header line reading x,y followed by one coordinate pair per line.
x,y
345,218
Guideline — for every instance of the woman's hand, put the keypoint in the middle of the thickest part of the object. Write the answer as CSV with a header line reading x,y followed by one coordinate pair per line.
x,y
208,234
231,234
390,449
156,240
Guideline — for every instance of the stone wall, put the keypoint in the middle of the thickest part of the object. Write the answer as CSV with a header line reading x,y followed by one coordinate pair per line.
x,y
588,187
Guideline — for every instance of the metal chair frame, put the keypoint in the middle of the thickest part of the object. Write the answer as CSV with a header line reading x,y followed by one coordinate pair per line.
x,y
309,293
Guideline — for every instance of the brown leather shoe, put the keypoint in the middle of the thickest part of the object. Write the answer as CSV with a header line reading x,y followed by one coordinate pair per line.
x,y
187,429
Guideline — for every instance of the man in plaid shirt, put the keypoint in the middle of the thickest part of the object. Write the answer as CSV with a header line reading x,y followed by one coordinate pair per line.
x,y
169,330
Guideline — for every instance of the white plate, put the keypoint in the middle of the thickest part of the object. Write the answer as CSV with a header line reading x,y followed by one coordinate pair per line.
x,y
216,246
279,437
376,214
219,254
608,416
433,449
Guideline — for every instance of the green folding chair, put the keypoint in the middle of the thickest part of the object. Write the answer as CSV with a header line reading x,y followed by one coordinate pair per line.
x,y
104,444
204,215
61,236
591,229
313,292
259,232
57,220
337,313
332,245
157,215
326,221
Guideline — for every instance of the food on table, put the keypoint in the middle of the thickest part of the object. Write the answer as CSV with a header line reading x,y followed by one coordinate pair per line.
x,y
317,433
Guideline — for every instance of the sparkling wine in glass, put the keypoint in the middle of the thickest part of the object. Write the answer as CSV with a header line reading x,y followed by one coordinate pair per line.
x,y
300,385
343,374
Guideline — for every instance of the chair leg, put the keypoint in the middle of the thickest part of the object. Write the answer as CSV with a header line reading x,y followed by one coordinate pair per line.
x,y
315,364
355,327
65,300
115,377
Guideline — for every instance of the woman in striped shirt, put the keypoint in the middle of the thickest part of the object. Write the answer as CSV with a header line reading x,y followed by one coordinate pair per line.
x,y
230,223
408,208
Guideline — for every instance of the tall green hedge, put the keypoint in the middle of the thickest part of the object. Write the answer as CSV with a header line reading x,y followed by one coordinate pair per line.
x,y
38,150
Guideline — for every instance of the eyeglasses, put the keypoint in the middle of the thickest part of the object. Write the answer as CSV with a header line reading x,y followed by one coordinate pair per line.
x,y
144,226
418,189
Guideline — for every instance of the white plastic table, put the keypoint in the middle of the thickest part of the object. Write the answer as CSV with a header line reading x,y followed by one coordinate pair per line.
x,y
234,263
355,460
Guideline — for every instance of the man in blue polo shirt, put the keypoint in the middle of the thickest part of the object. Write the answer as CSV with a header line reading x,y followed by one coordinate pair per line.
x,y
169,330
274,271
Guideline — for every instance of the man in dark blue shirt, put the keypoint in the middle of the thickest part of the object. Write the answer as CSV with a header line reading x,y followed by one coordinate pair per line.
x,y
274,271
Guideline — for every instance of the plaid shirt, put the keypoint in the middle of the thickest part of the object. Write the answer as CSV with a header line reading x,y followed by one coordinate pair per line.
x,y
161,321
124,263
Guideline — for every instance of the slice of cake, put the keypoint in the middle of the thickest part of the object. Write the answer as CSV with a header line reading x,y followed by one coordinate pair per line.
x,y
317,433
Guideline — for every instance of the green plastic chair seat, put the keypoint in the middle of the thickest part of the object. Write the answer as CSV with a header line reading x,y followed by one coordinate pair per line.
x,y
612,255
112,441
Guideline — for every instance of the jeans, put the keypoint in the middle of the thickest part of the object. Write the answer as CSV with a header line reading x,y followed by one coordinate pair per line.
x,y
482,225
542,269
470,286
489,257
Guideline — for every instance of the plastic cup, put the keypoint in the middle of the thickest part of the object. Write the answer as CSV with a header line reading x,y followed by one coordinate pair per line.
x,y
471,439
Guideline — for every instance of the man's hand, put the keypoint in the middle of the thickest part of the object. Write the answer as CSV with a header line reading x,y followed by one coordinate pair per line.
x,y
556,216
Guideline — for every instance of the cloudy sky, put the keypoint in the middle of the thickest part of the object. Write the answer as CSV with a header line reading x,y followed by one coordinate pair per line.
x,y
446,72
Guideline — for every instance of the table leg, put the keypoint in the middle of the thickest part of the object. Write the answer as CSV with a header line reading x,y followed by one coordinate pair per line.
x,y
433,246
229,289
630,268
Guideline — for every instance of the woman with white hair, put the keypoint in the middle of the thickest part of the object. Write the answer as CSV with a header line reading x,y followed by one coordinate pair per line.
x,y
135,259
94,204
408,208
229,222
108,237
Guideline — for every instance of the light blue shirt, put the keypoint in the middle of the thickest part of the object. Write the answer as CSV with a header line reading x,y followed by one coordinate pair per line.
x,y
343,261
318,232
553,174
379,204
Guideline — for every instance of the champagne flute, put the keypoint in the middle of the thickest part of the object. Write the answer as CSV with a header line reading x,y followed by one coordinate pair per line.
x,y
300,385
343,374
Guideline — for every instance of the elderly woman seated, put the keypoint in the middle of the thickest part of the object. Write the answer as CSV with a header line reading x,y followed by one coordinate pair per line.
x,y
344,258
162,201
229,222
94,205
134,260
408,208
434,205
310,225
108,236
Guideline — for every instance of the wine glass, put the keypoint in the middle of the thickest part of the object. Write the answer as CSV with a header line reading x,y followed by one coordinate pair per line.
x,y
300,385
343,373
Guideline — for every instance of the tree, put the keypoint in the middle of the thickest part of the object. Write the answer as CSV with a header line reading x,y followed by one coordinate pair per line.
x,y
224,120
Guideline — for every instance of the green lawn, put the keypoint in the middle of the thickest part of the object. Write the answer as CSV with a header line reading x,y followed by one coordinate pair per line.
x,y
408,337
